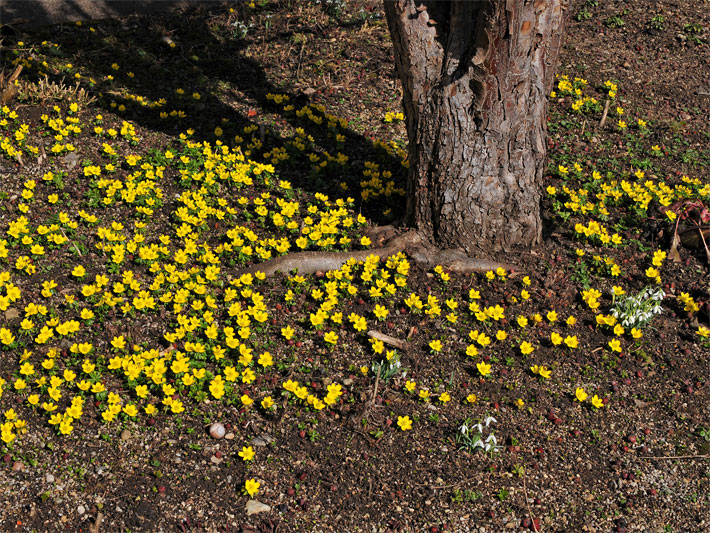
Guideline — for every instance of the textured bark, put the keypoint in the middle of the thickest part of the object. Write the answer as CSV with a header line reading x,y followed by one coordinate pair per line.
x,y
475,76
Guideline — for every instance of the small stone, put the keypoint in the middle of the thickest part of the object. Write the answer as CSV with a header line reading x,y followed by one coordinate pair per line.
x,y
125,434
11,313
229,436
255,507
18,466
71,159
258,441
49,478
81,509
347,382
216,460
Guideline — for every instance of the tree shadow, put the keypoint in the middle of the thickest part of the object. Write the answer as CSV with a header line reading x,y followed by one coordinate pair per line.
x,y
150,69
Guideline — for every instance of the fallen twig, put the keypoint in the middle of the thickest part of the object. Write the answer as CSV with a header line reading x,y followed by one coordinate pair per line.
x,y
527,504
377,383
387,339
604,114
97,523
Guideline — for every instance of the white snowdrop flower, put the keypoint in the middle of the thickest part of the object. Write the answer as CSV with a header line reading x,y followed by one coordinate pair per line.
x,y
489,420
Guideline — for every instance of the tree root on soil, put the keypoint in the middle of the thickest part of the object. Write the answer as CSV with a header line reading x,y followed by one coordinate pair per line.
x,y
410,242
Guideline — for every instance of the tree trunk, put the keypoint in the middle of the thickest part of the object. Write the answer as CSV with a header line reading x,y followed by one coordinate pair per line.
x,y
475,77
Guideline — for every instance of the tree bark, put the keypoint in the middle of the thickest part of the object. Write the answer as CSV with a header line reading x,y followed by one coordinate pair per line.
x,y
475,77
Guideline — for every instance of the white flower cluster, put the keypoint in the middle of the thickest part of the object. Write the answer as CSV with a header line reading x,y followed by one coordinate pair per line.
x,y
471,436
387,368
637,311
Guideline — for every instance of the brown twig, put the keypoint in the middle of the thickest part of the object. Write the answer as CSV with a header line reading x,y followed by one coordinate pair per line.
x,y
377,384
604,114
75,246
97,523
387,339
527,504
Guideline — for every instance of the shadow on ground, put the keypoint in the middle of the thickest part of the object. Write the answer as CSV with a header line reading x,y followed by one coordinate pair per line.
x,y
145,67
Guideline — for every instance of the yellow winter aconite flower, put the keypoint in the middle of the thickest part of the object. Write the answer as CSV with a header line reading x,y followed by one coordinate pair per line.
x,y
483,368
404,422
251,487
580,394
615,345
541,371
597,402
435,345
247,453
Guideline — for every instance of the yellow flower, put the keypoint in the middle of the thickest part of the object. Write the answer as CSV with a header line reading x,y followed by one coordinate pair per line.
x,y
267,403
615,345
597,402
381,311
580,394
410,385
444,397
571,341
652,272
251,487
556,338
483,368
435,345
287,332
331,338
526,348
404,422
247,453
471,398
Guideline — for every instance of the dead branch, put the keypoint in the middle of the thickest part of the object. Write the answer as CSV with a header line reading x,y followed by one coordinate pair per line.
x,y
604,114
392,341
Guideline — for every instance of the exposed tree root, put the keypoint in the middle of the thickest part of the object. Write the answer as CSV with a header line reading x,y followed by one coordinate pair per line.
x,y
410,242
